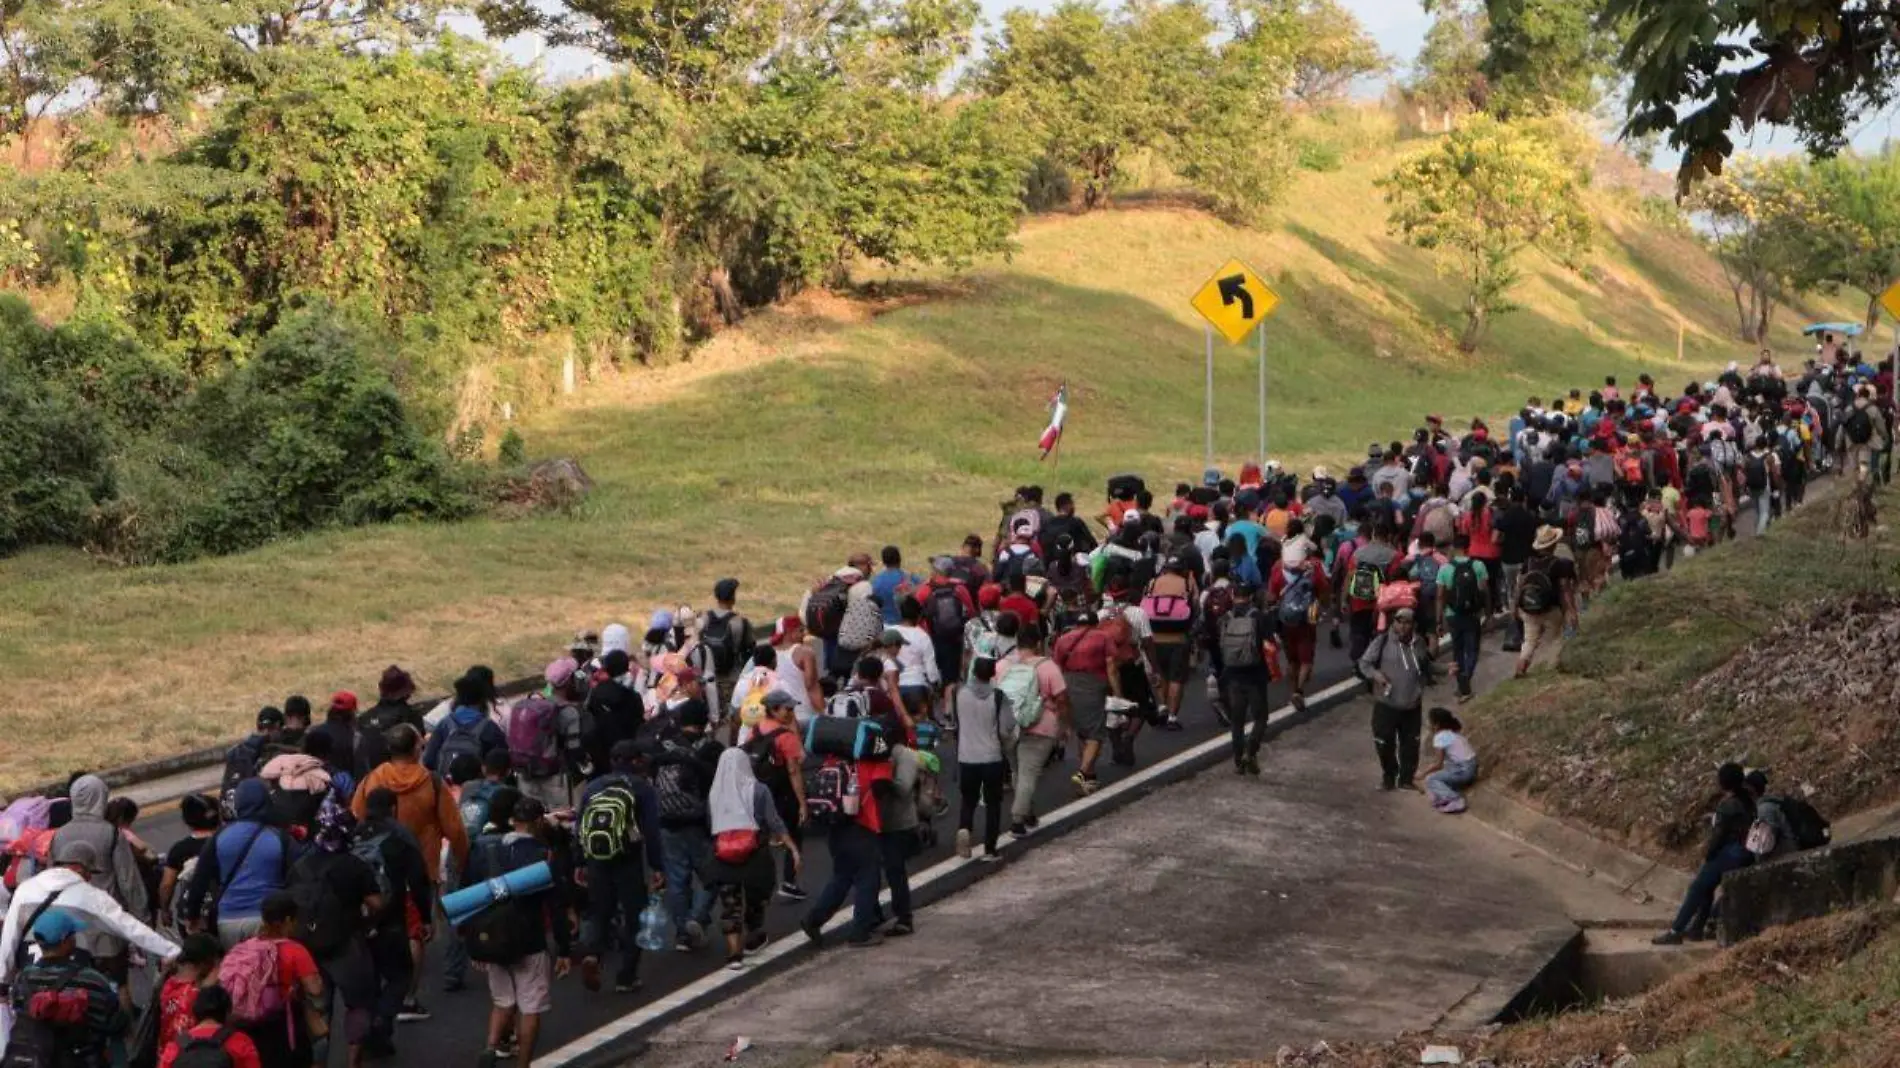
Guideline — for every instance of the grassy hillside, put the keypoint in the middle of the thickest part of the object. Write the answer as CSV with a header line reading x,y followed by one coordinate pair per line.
x,y
830,426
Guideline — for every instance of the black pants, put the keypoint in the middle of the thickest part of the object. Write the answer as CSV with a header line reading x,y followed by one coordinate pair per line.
x,y
895,848
1246,699
1395,736
788,812
389,951
616,892
1363,625
986,780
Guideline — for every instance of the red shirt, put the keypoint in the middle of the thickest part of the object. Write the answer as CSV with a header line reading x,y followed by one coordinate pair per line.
x,y
1023,608
174,1001
1277,581
1484,544
237,1044
1086,652
294,965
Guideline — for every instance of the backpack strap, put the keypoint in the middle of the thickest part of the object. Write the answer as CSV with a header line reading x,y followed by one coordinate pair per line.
x,y
20,951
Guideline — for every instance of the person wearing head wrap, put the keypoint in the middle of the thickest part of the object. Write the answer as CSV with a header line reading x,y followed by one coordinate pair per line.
x,y
334,889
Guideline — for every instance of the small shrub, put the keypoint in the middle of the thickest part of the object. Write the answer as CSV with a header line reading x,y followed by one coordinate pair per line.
x,y
1322,156
55,461
513,452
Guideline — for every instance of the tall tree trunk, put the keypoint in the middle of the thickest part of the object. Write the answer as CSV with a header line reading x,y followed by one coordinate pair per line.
x,y
1742,318
1475,323
1873,312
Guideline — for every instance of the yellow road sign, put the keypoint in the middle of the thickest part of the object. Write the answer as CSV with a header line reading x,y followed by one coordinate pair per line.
x,y
1235,301
1890,300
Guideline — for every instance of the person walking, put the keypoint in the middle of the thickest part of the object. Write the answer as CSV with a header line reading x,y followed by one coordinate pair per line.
x,y
742,808
1399,668
986,729
521,979
118,873
243,864
1546,598
1244,639
619,829
1038,692
685,763
66,1013
1464,603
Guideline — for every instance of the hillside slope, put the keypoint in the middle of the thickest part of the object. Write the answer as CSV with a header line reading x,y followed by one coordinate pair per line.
x,y
819,428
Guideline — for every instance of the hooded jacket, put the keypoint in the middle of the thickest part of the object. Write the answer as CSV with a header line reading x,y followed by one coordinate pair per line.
x,y
423,804
121,876
249,858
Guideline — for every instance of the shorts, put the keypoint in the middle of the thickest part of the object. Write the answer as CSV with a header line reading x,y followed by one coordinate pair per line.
x,y
1300,643
1173,659
950,661
526,985
1088,704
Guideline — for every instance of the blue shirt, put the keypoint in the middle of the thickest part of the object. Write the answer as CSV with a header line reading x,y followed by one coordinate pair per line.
x,y
1250,530
884,586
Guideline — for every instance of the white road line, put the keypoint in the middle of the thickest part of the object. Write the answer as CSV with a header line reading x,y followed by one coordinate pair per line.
x,y
660,1008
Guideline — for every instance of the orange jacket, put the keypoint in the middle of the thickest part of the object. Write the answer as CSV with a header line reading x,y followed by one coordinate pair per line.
x,y
424,804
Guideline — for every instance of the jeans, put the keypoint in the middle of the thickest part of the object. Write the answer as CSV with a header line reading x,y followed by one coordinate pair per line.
x,y
1762,513
855,864
1466,634
1446,784
1032,754
1699,903
685,849
1395,737
616,891
1246,699
894,851
985,780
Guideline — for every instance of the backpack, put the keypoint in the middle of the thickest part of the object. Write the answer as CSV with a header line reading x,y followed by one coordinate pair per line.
x,y
1298,601
719,634
608,823
323,924
1536,590
458,741
203,1051
249,974
1755,474
1811,830
1607,525
849,704
680,798
1239,641
863,623
1364,583
1018,682
474,806
1583,530
1220,602
752,709
533,747
294,808
1761,839
505,931
828,786
1168,613
43,1037
1635,537
1396,595
25,814
825,608
767,766
1859,426
368,848
944,611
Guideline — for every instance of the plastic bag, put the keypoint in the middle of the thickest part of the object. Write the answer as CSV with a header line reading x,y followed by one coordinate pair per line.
x,y
656,927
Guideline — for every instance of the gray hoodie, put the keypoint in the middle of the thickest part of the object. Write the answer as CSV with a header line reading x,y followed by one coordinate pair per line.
x,y
1404,664
120,876
986,723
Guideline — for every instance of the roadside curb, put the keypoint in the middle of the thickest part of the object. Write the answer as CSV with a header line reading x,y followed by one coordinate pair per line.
x,y
627,1036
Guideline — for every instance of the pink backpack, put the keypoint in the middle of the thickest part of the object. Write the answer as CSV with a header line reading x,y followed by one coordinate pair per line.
x,y
533,745
250,974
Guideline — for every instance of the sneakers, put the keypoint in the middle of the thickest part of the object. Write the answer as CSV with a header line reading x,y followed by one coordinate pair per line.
x,y
1172,723
412,1012
1250,764
590,975
900,929
735,964
756,941
695,933
813,933
989,857
628,985
489,1059
792,892
866,941
1019,829
963,843
1667,938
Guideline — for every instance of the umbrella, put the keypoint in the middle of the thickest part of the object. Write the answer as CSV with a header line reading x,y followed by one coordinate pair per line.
x,y
1849,329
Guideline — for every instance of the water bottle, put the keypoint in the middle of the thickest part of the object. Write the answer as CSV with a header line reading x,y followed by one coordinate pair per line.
x,y
656,927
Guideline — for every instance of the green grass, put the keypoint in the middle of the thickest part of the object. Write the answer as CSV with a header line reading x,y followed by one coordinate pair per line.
x,y
1618,738
818,430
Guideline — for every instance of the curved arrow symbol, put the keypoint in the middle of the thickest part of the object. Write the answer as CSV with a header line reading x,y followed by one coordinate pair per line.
x,y
1234,288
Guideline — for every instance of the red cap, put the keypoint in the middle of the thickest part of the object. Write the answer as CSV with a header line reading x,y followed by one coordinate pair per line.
x,y
989,595
786,624
1197,511
343,701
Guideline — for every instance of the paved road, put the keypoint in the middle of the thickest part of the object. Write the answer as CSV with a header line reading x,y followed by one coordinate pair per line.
x,y
455,1033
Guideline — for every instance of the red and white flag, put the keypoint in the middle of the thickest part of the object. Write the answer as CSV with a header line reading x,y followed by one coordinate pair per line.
x,y
1058,414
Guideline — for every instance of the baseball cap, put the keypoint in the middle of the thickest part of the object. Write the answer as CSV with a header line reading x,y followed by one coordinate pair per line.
x,y
662,620
76,852
270,716
780,699
56,926
726,589
343,701
891,636
786,625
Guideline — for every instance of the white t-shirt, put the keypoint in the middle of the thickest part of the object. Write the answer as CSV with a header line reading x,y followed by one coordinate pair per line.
x,y
1456,749
916,658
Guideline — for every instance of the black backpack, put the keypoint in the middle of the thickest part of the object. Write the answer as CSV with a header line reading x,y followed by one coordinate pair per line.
x,y
324,926
506,931
945,611
1755,474
1466,595
203,1051
824,610
682,795
767,767
1537,590
1859,426
719,634
1811,829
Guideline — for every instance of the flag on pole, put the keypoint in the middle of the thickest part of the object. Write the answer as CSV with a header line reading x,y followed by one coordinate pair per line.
x,y
1058,414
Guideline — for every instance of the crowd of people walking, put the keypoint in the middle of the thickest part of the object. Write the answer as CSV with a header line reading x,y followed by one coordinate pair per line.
x,y
667,778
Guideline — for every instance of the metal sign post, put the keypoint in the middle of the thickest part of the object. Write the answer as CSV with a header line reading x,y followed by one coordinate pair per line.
x,y
1261,331
1208,332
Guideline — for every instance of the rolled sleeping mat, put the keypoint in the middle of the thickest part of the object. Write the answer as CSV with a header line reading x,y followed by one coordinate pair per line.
x,y
464,904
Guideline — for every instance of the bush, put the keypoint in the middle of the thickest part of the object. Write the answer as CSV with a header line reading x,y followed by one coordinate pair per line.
x,y
513,452
1320,156
55,463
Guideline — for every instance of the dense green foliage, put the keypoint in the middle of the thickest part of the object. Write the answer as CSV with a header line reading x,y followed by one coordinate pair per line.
x,y
199,172
1516,58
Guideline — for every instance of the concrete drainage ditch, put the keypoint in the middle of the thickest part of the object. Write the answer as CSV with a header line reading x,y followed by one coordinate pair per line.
x,y
1598,964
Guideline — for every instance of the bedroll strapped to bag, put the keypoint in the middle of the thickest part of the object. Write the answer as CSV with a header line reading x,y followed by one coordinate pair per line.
x,y
851,739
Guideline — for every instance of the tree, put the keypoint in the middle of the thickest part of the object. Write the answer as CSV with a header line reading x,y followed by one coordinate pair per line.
x,y
694,48
1861,196
1483,196
1769,233
1327,46
1447,76
1546,56
1698,70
